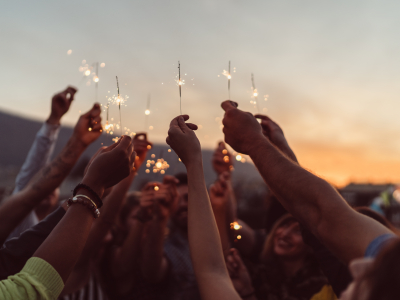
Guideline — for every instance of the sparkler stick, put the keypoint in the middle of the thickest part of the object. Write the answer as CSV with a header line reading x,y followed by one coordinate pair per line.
x,y
96,79
255,93
229,81
147,113
180,87
119,106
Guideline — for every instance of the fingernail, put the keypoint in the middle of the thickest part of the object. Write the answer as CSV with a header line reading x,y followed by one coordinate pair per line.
x,y
234,104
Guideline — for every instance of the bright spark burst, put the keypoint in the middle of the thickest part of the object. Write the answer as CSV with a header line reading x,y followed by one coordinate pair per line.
x,y
118,99
235,226
147,112
159,166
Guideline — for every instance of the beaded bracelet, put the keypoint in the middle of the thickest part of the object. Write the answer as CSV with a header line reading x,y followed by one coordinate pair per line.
x,y
88,203
97,199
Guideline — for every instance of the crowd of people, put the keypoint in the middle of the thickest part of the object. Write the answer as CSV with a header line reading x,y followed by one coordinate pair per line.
x,y
179,239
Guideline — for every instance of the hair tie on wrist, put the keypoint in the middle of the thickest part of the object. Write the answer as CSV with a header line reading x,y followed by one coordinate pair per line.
x,y
97,199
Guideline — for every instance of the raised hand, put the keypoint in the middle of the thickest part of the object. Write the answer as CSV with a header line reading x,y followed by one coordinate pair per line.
x,y
88,128
274,133
242,130
219,192
111,165
222,159
238,272
141,146
183,140
60,104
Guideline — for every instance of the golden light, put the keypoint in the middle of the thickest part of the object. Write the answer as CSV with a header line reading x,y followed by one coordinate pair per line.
x,y
224,151
156,188
255,94
169,150
102,65
90,129
147,112
148,165
153,155
87,72
147,171
96,79
151,127
239,237
396,195
148,147
235,226
69,52
226,158
158,164
162,172
229,76
238,157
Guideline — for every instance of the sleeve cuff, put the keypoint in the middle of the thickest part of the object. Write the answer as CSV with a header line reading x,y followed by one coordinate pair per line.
x,y
46,274
49,130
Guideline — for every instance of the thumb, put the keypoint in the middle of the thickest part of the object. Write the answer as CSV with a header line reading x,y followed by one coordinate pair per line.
x,y
92,111
229,105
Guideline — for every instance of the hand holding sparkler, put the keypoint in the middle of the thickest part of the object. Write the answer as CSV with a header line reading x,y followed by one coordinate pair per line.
x,y
275,134
111,165
60,104
141,146
222,159
88,129
241,129
220,193
183,140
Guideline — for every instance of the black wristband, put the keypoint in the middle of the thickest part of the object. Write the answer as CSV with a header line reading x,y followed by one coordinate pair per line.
x,y
96,199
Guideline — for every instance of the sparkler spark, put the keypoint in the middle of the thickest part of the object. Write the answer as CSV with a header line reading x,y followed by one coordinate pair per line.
x,y
180,83
235,226
229,76
255,93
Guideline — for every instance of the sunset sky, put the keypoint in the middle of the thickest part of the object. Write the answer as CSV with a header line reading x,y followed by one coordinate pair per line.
x,y
331,70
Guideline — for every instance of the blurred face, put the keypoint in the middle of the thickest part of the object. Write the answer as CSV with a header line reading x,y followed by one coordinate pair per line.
x,y
288,241
180,216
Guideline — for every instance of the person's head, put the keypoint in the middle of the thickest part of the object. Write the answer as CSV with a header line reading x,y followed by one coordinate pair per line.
x,y
285,242
377,279
48,204
180,215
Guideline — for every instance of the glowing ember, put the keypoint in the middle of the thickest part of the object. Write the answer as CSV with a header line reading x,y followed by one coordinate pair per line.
x,y
238,157
156,188
147,112
235,226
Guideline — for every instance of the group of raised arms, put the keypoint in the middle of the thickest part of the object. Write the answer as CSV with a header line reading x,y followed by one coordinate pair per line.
x,y
178,238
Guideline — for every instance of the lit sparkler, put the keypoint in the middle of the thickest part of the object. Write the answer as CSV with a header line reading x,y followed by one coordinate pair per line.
x,y
180,83
118,100
235,226
229,76
147,113
255,93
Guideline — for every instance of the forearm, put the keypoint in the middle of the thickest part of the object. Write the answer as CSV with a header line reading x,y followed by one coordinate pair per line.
x,y
153,263
108,216
315,203
63,246
38,155
205,245
126,257
223,228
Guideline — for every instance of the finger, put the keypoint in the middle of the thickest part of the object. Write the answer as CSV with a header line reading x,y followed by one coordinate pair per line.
x,y
95,111
182,124
96,120
124,142
71,91
229,105
174,122
168,141
262,117
113,146
168,179
141,136
192,126
97,127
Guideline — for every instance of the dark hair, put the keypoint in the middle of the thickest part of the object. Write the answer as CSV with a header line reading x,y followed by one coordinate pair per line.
x,y
384,276
182,177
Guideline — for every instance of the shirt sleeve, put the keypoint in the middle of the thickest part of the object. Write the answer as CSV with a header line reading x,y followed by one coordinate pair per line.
x,y
37,280
38,156
378,243
15,252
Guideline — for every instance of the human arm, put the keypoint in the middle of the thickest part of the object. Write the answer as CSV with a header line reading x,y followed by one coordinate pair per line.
x,y
310,199
19,205
43,145
162,199
204,241
239,275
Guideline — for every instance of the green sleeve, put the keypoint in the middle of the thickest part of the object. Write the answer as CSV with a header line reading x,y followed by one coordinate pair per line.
x,y
37,280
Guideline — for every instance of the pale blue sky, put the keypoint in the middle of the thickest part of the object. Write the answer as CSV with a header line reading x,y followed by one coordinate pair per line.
x,y
331,68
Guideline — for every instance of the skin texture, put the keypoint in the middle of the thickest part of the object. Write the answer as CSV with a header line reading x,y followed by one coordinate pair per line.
x,y
60,104
310,199
64,245
109,214
204,241
51,176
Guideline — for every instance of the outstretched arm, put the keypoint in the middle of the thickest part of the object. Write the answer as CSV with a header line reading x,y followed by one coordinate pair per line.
x,y
19,205
312,200
205,245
